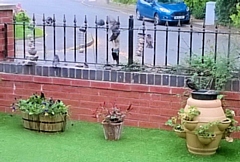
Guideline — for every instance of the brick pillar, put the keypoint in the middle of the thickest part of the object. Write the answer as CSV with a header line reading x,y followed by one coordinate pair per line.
x,y
6,17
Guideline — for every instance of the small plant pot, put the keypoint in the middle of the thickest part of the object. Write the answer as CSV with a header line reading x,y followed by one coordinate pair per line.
x,y
224,124
112,131
190,125
180,133
206,140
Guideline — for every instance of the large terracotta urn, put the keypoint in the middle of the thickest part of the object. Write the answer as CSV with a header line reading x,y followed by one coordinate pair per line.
x,y
210,111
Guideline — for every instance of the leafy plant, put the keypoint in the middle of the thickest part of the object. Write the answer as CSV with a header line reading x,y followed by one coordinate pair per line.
x,y
133,67
197,7
205,130
190,114
224,9
126,1
233,127
111,115
175,123
210,72
22,17
199,12
236,16
38,104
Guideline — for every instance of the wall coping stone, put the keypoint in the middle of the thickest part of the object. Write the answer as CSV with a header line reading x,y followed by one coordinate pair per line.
x,y
115,76
4,6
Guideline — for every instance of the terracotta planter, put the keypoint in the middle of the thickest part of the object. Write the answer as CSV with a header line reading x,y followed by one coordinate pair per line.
x,y
56,123
224,124
210,111
180,133
112,131
190,125
197,145
206,140
30,121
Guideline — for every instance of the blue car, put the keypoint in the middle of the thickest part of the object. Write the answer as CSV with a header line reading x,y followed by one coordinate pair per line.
x,y
163,10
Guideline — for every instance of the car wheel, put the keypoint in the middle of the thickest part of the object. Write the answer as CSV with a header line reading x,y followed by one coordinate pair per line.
x,y
138,15
157,19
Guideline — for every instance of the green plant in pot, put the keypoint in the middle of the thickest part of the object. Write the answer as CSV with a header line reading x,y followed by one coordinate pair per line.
x,y
233,126
188,117
206,133
42,114
112,120
177,125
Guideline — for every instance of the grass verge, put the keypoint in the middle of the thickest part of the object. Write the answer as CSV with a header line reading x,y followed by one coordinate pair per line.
x,y
84,142
19,32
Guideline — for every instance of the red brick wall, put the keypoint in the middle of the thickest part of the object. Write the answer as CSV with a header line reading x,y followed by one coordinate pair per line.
x,y
6,16
153,105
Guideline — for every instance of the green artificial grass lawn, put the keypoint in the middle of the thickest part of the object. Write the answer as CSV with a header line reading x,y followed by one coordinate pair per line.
x,y
19,32
84,142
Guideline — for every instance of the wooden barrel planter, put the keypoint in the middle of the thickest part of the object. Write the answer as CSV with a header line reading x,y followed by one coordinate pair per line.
x,y
112,131
56,123
30,121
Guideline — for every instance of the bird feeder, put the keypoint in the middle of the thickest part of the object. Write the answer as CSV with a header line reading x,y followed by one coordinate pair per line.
x,y
140,44
32,56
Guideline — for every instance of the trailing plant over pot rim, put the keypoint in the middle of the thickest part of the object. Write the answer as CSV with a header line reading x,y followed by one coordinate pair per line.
x,y
205,130
190,114
233,126
39,105
42,114
176,123
112,120
113,114
188,117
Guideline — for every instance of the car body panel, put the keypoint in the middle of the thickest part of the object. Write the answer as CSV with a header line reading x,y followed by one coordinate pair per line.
x,y
172,12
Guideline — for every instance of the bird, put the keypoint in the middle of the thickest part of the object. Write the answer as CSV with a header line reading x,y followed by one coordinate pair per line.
x,y
115,34
191,85
115,54
115,28
42,96
149,41
85,65
49,21
100,22
56,60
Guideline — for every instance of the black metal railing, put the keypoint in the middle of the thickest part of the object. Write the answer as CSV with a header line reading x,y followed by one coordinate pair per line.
x,y
143,42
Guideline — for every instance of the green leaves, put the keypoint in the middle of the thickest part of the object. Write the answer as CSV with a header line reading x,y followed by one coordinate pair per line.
x,y
189,114
208,73
205,129
236,16
38,104
22,17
